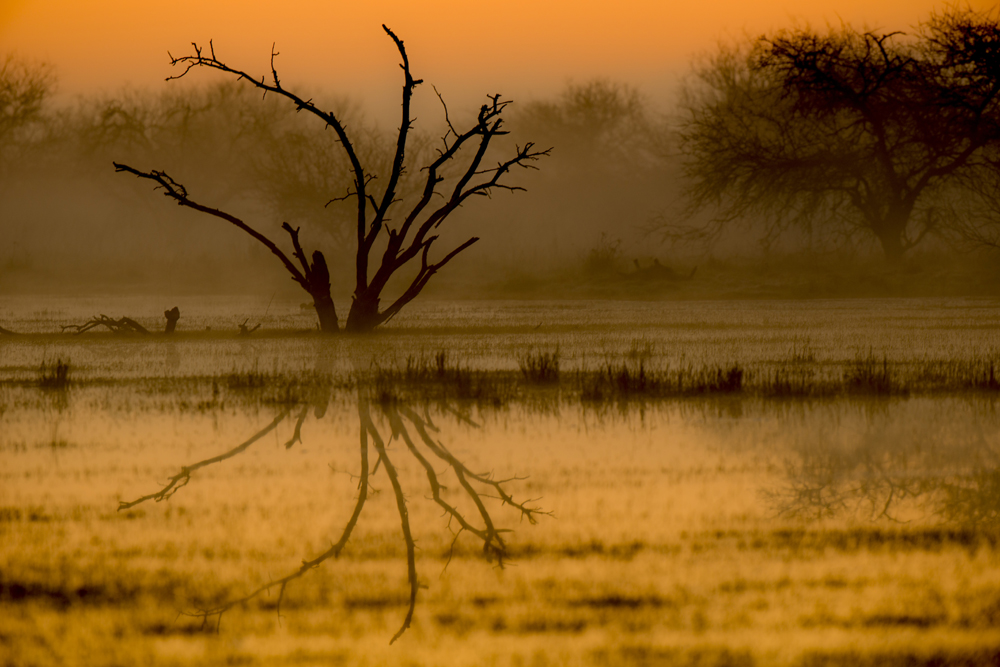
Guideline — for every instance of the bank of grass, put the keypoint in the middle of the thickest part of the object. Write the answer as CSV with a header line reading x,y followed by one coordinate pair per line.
x,y
54,376
618,381
437,378
634,376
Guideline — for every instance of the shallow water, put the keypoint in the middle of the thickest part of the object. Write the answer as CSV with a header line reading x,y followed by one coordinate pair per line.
x,y
494,335
718,530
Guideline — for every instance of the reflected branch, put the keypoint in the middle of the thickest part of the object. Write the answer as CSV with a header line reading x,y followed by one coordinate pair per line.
x,y
485,535
401,420
297,434
184,476
332,552
397,489
527,512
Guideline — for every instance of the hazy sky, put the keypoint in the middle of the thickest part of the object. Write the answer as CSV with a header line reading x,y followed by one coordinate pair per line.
x,y
519,47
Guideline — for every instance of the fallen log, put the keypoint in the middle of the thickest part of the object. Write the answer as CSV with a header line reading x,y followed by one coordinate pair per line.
x,y
124,325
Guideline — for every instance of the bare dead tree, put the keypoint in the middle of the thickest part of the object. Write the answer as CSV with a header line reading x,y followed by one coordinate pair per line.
x,y
477,488
407,243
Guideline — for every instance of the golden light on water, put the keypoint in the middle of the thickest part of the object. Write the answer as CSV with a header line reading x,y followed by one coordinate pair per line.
x,y
704,529
698,461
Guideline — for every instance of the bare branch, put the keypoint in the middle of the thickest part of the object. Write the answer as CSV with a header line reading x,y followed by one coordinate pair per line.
x,y
177,192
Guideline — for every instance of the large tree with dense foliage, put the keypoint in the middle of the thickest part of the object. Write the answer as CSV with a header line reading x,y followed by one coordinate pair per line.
x,y
845,131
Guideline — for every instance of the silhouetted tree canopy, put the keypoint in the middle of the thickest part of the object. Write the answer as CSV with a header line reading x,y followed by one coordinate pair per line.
x,y
845,132
608,168
24,89
599,123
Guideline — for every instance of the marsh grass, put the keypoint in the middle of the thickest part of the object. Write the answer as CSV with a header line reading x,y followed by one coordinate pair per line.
x,y
541,374
275,388
977,374
794,381
624,381
802,352
540,367
250,379
54,377
869,375
437,378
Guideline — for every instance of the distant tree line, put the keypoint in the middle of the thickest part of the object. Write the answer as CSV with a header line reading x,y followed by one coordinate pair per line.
x,y
846,136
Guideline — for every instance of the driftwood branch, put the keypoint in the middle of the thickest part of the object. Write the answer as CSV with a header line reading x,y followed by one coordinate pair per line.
x,y
124,325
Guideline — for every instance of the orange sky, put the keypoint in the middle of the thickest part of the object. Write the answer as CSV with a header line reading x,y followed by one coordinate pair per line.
x,y
523,48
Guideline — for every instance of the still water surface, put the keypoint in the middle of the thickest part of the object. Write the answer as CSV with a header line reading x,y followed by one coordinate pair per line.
x,y
720,530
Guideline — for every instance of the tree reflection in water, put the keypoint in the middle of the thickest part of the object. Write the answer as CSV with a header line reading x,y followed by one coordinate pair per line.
x,y
403,420
893,479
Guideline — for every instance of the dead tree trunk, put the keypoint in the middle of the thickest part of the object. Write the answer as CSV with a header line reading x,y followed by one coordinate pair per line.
x,y
314,278
172,316
409,241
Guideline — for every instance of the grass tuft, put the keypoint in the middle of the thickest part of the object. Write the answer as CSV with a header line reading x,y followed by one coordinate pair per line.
x,y
54,377
867,375
540,367
437,378
633,381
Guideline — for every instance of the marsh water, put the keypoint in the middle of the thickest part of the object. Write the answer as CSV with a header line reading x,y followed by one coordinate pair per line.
x,y
720,528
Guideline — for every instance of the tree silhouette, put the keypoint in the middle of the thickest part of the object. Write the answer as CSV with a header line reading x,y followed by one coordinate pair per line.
x,y
858,131
407,243
24,89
